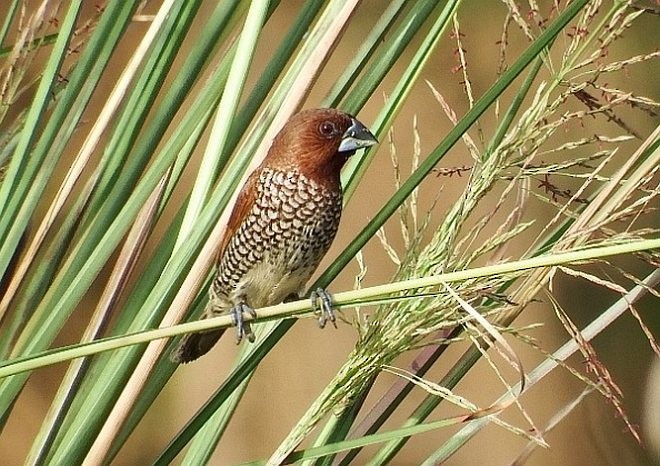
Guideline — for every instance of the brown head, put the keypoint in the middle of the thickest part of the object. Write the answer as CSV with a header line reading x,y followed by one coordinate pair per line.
x,y
317,142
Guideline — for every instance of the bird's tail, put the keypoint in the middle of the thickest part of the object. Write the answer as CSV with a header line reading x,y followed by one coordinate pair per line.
x,y
195,345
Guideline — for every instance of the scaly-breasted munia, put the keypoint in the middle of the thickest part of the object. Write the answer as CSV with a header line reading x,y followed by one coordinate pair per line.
x,y
284,220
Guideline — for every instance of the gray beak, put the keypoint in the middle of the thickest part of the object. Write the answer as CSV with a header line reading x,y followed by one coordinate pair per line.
x,y
356,137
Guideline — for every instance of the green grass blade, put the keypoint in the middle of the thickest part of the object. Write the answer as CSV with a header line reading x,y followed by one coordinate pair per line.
x,y
382,63
247,40
22,168
267,79
364,53
165,50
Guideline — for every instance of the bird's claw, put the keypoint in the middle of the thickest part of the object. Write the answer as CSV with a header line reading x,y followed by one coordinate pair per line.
x,y
243,328
324,309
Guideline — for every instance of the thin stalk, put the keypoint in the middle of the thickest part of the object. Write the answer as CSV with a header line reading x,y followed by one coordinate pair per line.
x,y
238,72
345,299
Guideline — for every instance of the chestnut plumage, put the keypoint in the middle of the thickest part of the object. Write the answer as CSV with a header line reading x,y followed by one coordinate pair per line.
x,y
284,220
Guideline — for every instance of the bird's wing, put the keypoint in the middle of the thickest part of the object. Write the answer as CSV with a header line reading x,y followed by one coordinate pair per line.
x,y
242,207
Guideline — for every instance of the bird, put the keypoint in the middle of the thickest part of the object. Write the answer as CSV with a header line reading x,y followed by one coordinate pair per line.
x,y
284,220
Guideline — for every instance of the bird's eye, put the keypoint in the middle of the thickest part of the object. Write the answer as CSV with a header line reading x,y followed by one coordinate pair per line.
x,y
327,129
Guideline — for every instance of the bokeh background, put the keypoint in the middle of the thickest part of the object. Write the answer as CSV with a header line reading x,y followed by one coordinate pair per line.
x,y
291,376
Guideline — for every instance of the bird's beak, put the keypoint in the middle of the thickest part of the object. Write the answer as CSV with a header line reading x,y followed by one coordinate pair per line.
x,y
356,137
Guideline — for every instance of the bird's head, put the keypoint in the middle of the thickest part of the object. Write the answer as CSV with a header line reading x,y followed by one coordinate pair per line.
x,y
318,142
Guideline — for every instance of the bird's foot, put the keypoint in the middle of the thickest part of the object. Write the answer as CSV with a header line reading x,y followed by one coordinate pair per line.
x,y
322,304
243,328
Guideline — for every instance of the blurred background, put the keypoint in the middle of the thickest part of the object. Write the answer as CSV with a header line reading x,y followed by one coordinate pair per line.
x,y
293,374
